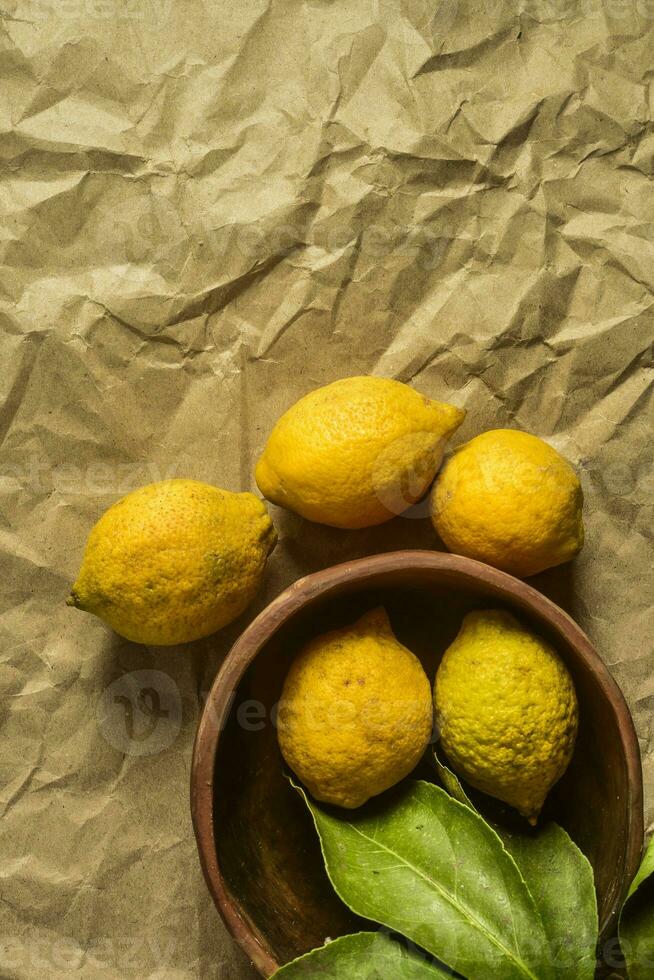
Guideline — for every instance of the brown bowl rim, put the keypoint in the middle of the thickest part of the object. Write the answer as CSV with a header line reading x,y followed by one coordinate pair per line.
x,y
319,584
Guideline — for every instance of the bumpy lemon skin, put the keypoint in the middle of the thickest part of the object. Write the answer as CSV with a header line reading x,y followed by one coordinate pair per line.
x,y
508,499
174,561
506,710
357,452
355,714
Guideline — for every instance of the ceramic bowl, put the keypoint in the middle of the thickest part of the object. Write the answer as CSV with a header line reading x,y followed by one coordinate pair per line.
x,y
257,844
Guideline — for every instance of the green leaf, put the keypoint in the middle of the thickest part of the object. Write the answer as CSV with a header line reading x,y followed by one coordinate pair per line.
x,y
645,870
561,882
365,956
428,867
451,781
637,921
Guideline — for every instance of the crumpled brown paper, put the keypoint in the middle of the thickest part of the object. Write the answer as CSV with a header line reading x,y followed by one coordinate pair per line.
x,y
207,210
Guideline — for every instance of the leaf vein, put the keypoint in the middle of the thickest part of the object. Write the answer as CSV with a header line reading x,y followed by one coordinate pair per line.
x,y
456,904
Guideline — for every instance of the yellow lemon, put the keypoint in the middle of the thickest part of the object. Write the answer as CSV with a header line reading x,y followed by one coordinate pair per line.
x,y
355,714
506,710
356,452
509,499
174,561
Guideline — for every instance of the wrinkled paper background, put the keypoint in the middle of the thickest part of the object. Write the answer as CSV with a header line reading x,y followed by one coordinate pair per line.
x,y
207,210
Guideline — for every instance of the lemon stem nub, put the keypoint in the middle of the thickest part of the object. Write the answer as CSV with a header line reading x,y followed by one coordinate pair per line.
x,y
73,599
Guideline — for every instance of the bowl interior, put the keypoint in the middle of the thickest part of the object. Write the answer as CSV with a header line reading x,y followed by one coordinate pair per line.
x,y
266,844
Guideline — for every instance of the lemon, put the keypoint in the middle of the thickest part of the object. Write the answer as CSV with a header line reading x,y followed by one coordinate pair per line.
x,y
509,499
174,561
356,452
355,714
506,710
